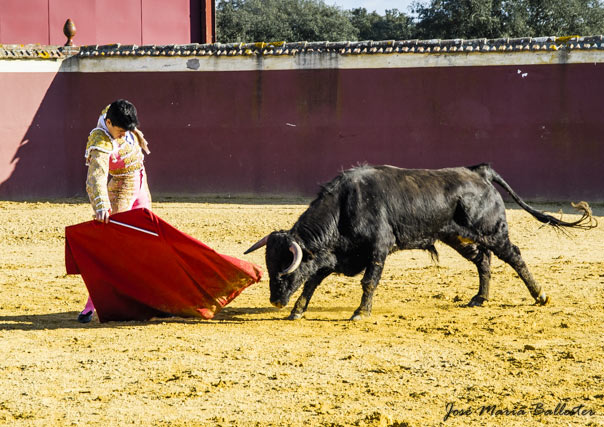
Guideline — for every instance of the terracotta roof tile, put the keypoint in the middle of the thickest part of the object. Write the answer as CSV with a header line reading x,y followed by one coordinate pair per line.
x,y
293,48
351,48
35,51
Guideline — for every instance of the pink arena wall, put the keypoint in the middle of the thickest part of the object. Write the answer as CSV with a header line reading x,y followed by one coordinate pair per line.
x,y
286,131
106,21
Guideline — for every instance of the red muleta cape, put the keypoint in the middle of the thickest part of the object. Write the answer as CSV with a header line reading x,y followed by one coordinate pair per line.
x,y
152,269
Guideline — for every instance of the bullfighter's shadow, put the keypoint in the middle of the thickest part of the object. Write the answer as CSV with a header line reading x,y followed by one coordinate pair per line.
x,y
67,320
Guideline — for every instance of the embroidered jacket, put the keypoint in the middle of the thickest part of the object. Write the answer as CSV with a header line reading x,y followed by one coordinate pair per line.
x,y
107,157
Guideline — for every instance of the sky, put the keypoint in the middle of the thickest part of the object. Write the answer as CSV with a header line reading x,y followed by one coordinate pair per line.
x,y
378,5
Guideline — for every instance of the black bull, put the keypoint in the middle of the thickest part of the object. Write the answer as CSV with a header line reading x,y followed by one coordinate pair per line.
x,y
367,212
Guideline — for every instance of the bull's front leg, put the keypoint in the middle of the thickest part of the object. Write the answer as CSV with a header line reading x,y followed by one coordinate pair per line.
x,y
370,281
309,288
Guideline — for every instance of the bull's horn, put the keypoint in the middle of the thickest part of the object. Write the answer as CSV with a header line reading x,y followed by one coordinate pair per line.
x,y
297,251
257,245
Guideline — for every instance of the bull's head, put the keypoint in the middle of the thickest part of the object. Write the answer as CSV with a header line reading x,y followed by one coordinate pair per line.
x,y
284,261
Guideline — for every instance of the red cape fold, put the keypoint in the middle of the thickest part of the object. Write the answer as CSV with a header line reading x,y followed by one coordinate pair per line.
x,y
153,269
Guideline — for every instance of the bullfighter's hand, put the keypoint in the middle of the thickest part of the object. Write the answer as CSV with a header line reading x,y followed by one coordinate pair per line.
x,y
102,216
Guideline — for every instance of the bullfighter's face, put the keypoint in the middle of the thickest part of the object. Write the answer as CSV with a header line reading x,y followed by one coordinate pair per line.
x,y
279,258
115,131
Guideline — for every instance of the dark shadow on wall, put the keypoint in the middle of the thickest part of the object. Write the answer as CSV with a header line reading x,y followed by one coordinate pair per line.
x,y
49,160
284,132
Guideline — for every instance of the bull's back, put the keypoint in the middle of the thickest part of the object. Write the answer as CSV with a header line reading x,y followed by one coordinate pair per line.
x,y
432,185
415,190
416,204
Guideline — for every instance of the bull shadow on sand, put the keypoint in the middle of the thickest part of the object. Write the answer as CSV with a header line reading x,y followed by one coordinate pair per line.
x,y
313,314
343,313
249,314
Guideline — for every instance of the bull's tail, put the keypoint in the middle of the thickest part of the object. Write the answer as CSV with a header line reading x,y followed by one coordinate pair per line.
x,y
586,222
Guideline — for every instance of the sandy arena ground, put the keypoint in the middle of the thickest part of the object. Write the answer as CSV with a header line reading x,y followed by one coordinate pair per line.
x,y
420,356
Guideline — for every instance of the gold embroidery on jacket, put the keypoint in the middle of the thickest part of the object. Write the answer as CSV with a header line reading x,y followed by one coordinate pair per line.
x,y
103,155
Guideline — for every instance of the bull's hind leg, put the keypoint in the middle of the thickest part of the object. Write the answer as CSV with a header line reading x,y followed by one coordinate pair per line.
x,y
510,254
481,257
304,298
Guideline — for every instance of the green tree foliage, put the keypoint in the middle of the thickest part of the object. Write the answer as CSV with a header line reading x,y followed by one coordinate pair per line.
x,y
282,20
467,19
569,17
394,25
447,19
314,20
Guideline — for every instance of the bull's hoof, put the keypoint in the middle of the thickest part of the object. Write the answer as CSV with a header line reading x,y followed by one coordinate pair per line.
x,y
295,316
477,301
542,300
358,316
